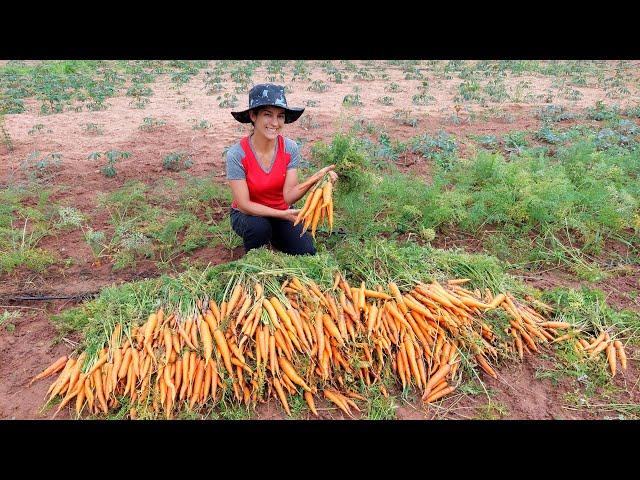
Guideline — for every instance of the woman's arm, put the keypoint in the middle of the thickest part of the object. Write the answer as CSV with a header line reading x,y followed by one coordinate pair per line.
x,y
294,191
240,193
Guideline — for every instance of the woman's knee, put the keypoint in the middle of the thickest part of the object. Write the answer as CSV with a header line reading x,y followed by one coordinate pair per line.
x,y
258,233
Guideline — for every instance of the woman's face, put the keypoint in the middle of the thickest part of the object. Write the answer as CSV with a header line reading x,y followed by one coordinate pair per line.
x,y
268,121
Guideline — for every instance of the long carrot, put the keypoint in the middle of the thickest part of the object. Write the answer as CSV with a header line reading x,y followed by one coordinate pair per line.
x,y
485,365
97,380
438,395
621,355
611,358
290,372
223,348
337,400
281,395
51,369
304,209
207,341
197,384
435,379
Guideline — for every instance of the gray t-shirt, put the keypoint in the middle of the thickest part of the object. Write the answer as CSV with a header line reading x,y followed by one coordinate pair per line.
x,y
235,155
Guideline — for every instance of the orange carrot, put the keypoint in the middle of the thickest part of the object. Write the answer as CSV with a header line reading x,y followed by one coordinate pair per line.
x,y
597,341
51,369
88,392
621,355
281,395
97,379
308,396
207,341
435,379
304,209
332,328
438,395
290,372
555,325
601,346
223,348
124,365
197,384
485,365
214,379
611,358
337,400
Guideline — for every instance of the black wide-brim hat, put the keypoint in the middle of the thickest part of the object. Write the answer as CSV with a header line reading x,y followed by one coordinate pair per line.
x,y
268,94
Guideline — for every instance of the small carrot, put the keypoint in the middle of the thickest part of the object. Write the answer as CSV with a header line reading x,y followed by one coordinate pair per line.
x,y
308,396
597,341
601,346
621,355
97,380
235,296
63,379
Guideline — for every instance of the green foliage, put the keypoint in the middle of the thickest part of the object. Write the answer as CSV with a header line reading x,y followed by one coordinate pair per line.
x,y
352,100
26,217
7,319
443,148
345,154
70,217
405,117
150,124
112,156
587,309
227,101
177,161
40,169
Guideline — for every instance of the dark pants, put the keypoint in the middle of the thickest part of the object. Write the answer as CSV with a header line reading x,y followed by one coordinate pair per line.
x,y
260,231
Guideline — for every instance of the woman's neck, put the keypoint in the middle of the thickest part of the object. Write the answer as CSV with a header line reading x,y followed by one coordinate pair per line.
x,y
261,143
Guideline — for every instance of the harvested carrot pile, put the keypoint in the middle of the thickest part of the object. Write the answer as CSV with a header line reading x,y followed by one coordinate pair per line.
x,y
317,207
279,340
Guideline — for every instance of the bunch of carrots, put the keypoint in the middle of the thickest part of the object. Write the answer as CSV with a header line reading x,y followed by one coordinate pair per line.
x,y
301,339
603,343
317,207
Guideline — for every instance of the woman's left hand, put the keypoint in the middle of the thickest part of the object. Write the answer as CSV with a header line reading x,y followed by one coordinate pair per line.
x,y
333,176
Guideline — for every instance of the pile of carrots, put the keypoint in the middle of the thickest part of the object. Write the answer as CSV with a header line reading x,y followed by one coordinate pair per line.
x,y
317,207
613,349
302,340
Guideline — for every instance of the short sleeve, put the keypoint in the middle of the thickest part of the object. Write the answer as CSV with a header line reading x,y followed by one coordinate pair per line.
x,y
291,147
235,170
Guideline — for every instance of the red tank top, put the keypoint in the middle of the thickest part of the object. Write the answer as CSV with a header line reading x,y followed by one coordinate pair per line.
x,y
265,188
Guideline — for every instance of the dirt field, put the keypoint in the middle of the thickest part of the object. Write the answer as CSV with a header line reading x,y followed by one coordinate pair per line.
x,y
34,342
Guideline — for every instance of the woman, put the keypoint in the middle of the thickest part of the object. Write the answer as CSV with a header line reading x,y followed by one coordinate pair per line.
x,y
262,170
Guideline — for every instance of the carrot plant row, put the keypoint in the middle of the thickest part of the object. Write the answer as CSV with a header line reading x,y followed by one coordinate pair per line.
x,y
280,340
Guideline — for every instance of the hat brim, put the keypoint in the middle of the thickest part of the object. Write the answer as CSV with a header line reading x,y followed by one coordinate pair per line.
x,y
291,114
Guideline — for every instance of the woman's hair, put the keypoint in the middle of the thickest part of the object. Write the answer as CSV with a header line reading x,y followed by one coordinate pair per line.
x,y
256,111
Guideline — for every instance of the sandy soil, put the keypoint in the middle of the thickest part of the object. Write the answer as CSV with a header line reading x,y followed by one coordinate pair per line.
x,y
34,343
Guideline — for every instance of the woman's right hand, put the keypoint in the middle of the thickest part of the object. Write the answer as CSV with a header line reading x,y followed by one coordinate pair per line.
x,y
290,214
